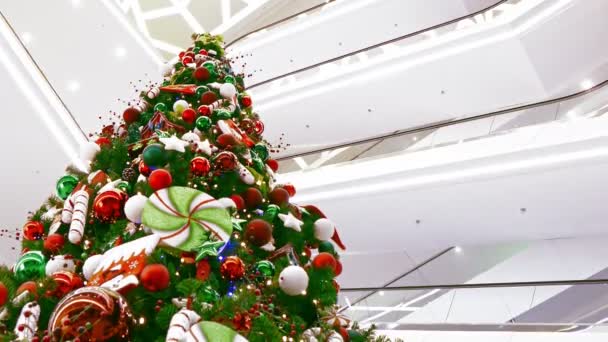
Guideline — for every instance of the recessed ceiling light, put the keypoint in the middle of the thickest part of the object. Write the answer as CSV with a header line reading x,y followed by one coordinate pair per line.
x,y
73,86
381,293
76,3
587,84
120,52
458,249
26,37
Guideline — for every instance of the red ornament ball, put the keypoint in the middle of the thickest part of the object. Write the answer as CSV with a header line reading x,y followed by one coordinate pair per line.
x,y
33,230
259,127
54,242
144,169
338,269
258,232
273,164
160,179
201,74
247,125
203,269
208,98
66,282
253,197
30,287
155,277
324,260
246,101
279,196
3,294
204,110
103,141
232,268
238,201
224,140
344,333
131,114
187,60
189,115
290,189
225,161
200,166
108,206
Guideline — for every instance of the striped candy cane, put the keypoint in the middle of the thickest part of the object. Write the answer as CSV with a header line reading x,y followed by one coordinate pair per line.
x,y
180,325
79,216
27,323
68,209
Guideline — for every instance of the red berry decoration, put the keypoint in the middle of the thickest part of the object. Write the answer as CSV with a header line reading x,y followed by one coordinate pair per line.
x,y
3,294
226,139
324,260
155,277
238,201
258,232
273,164
201,74
189,115
290,189
33,230
203,269
279,196
131,114
54,242
344,333
160,179
232,268
199,166
253,198
208,98
103,141
108,205
144,169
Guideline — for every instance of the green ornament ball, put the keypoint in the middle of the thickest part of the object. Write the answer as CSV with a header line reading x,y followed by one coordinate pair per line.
x,y
196,50
326,246
65,186
124,186
229,79
30,266
155,155
209,66
265,267
222,114
355,336
201,90
261,150
160,107
209,295
203,123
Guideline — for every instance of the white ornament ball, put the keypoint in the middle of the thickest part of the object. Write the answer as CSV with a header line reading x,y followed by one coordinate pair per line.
x,y
227,90
88,151
134,207
324,229
59,263
90,265
293,280
180,105
191,137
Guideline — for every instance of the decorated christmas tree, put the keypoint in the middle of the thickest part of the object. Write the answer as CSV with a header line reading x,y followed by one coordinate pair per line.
x,y
176,229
